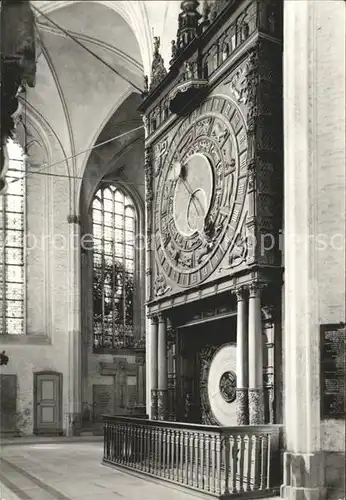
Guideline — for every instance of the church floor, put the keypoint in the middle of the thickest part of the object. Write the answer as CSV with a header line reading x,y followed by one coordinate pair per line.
x,y
70,470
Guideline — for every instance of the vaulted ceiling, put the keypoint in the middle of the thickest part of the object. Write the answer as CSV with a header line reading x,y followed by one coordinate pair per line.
x,y
76,94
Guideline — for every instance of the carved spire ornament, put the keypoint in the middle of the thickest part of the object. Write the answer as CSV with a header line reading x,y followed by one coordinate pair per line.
x,y
188,24
158,70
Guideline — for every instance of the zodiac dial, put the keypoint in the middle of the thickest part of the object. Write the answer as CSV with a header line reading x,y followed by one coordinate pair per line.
x,y
201,191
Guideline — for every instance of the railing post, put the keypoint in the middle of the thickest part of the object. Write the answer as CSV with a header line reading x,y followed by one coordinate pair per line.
x,y
218,463
207,460
225,447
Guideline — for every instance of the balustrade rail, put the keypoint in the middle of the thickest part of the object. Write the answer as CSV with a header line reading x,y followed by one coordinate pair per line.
x,y
219,461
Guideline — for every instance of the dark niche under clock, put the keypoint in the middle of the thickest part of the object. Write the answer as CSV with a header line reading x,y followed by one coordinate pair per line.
x,y
333,370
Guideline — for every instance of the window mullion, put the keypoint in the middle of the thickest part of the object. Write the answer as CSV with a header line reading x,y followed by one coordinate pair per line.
x,y
102,269
113,269
124,268
24,246
3,318
13,204
114,205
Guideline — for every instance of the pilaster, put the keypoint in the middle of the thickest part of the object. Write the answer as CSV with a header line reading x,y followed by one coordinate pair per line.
x,y
74,322
140,363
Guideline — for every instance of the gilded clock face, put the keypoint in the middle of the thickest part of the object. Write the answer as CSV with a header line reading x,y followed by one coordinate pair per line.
x,y
201,191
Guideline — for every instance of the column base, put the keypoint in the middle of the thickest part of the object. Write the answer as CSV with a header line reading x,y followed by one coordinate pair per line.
x,y
242,403
153,404
256,406
162,405
304,476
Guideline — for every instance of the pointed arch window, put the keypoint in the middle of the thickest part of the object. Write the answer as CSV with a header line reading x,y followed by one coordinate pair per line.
x,y
12,232
114,224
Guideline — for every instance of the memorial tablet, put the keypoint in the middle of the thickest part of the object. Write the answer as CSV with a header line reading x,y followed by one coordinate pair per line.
x,y
333,371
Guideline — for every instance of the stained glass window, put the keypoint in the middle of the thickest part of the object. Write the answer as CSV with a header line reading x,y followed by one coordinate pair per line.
x,y
114,224
12,245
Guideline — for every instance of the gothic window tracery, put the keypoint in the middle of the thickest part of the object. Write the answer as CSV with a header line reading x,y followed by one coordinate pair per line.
x,y
114,224
12,233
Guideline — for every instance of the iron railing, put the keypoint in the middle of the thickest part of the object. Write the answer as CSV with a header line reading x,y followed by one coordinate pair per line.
x,y
220,461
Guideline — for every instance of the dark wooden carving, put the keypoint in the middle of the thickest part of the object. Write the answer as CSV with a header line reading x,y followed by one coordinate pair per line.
x,y
158,70
224,104
206,355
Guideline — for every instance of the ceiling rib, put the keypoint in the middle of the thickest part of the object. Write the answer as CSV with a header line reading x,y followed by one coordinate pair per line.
x,y
67,33
95,41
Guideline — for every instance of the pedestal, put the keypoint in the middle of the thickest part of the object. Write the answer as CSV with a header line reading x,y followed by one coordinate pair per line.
x,y
242,407
153,404
162,404
140,362
304,475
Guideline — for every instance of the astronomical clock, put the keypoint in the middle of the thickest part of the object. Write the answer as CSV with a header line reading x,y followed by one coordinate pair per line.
x,y
213,177
201,191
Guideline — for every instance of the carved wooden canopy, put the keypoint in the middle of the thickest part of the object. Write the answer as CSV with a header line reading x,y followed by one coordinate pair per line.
x,y
18,65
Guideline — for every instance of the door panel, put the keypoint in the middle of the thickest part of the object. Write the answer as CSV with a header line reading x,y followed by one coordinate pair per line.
x,y
48,403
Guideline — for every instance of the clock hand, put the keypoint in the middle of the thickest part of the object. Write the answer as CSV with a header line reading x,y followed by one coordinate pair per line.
x,y
193,198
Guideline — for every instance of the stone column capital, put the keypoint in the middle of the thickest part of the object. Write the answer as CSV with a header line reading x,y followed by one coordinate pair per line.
x,y
239,292
73,219
140,360
152,317
161,318
255,289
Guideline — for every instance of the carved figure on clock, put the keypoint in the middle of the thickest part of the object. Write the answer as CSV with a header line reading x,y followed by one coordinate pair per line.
x,y
197,195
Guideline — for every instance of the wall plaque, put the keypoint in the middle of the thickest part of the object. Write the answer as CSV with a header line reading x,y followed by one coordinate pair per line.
x,y
103,398
333,370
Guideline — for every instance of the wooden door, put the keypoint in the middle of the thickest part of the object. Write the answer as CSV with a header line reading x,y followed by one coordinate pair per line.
x,y
48,403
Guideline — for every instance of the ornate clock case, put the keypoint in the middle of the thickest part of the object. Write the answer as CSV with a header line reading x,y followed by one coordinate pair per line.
x,y
213,167
201,192
213,170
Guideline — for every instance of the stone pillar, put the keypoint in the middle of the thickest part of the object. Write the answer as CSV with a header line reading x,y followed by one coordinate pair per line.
x,y
305,53
242,359
153,334
74,325
162,385
256,400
